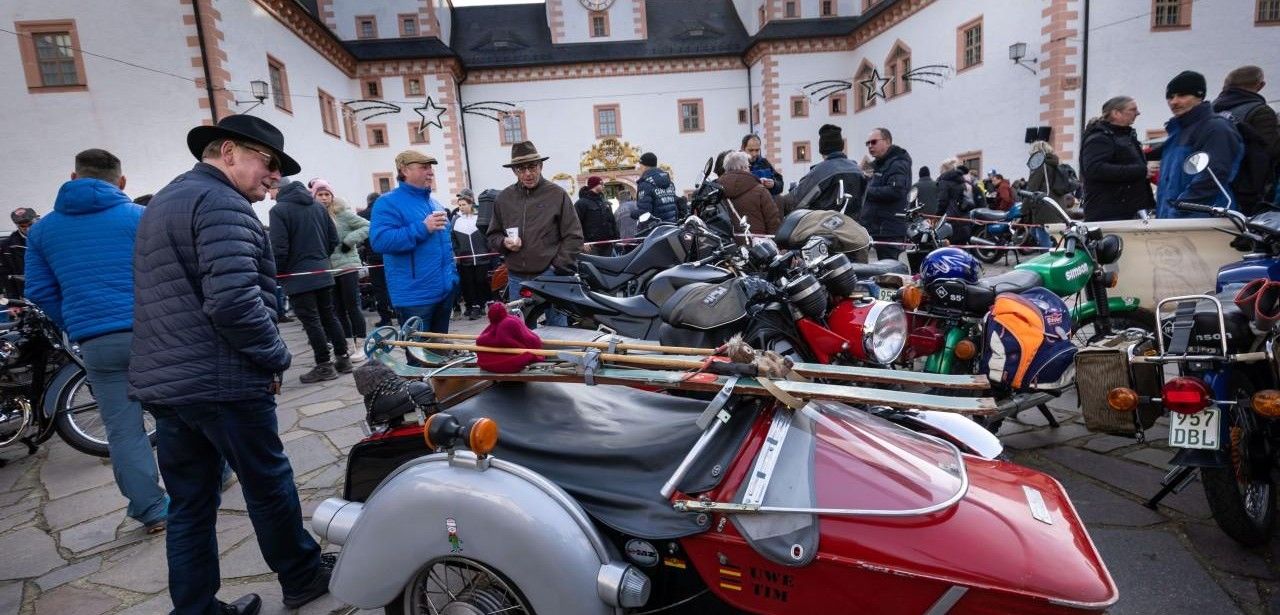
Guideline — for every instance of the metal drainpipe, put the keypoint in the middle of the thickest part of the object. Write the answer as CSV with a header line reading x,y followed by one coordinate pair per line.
x,y
751,118
1084,81
204,62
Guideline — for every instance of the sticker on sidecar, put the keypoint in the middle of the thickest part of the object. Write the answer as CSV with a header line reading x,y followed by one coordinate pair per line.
x,y
455,543
1199,430
642,553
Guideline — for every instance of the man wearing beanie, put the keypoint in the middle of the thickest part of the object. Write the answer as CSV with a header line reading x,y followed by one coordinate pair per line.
x,y
656,194
819,189
887,192
927,192
596,216
1193,128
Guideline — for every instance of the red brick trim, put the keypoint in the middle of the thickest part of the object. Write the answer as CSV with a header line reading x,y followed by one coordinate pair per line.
x,y
886,19
1059,73
799,45
360,19
640,12
213,37
428,21
555,19
402,68
31,64
291,14
330,19
770,93
603,69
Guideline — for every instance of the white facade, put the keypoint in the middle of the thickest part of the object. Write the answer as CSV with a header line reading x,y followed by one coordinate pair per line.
x,y
142,113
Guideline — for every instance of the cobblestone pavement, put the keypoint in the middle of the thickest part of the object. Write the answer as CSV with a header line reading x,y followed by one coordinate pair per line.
x,y
66,547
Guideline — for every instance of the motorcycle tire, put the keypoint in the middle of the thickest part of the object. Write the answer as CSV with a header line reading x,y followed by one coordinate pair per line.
x,y
1142,318
78,421
483,589
1242,495
987,256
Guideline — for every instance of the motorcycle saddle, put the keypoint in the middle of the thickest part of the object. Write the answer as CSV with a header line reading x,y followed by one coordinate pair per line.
x,y
610,447
984,214
608,264
880,267
981,296
637,306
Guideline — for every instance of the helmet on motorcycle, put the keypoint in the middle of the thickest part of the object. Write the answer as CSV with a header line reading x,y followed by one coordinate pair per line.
x,y
950,263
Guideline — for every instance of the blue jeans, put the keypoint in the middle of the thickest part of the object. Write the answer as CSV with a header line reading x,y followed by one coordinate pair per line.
x,y
554,317
1040,237
106,361
435,316
194,440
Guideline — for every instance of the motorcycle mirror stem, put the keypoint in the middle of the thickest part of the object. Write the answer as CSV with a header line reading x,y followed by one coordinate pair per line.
x,y
1199,162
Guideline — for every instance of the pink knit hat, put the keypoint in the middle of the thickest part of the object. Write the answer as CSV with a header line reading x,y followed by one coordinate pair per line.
x,y
320,184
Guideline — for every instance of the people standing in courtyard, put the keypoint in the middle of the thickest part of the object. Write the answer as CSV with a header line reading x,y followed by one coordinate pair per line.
x,y
656,195
377,272
352,233
927,192
768,174
79,271
13,252
596,216
411,231
1004,193
471,251
951,200
1193,128
1113,164
886,196
1052,181
749,197
626,215
302,238
1241,98
820,187
207,360
534,225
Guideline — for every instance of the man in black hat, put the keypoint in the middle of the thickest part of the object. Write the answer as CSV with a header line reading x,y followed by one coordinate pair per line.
x,y
655,193
534,225
13,252
207,361
1193,128
820,188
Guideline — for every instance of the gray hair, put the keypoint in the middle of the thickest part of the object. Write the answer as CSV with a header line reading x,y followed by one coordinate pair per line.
x,y
737,161
1041,146
948,164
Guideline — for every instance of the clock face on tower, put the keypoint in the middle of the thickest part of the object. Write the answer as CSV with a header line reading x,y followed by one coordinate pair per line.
x,y
596,5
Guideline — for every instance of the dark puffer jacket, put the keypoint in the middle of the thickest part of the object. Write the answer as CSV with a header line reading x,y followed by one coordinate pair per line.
x,y
656,196
887,195
596,216
204,293
302,236
1115,173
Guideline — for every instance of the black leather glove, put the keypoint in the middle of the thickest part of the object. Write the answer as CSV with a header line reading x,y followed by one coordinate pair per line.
x,y
344,248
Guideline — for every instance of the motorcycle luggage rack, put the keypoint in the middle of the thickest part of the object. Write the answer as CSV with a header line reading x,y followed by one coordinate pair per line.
x,y
1163,357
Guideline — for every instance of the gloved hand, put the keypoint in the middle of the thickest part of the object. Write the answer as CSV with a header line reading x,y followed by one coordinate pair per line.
x,y
344,248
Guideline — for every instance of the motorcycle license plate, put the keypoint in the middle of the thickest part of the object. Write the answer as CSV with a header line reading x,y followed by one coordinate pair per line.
x,y
888,294
1199,430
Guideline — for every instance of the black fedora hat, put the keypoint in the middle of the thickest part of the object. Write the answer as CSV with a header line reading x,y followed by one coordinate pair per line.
x,y
243,128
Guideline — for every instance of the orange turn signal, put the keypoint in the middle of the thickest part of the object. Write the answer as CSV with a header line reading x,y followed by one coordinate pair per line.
x,y
426,431
1267,403
483,436
1113,279
1122,399
911,297
966,349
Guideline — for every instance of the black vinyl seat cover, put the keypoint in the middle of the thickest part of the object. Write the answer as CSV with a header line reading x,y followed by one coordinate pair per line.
x,y
985,214
981,296
637,306
1266,223
610,447
880,267
608,264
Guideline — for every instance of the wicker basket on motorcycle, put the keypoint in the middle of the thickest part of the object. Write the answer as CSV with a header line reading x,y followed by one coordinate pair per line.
x,y
706,306
846,235
1106,365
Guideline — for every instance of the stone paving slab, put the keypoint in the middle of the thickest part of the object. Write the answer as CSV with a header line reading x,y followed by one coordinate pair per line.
x,y
1156,574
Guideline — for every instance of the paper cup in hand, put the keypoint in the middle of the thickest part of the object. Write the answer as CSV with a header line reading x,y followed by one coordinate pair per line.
x,y
513,232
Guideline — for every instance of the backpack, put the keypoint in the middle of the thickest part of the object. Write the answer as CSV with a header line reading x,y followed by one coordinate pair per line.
x,y
1255,171
1064,180
1028,341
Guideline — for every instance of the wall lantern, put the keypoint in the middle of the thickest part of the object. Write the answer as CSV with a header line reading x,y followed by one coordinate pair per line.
x,y
1017,53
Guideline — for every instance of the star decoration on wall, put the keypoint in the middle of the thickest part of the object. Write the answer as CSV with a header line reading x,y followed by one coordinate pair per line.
x,y
430,114
874,85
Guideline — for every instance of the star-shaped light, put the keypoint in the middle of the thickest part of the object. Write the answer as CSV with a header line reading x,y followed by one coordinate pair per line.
x,y
874,85
427,109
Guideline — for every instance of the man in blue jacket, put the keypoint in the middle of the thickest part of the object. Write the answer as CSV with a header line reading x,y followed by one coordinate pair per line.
x,y
1195,128
79,270
207,360
656,194
411,232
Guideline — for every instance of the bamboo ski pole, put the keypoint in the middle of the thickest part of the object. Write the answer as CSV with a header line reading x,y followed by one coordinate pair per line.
x,y
572,344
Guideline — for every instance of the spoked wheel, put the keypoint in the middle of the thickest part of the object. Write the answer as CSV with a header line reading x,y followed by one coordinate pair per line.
x,y
1086,330
987,255
79,422
459,586
1242,496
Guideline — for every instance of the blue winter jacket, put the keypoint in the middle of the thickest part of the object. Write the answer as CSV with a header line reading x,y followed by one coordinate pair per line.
x,y
80,259
204,292
1198,130
661,205
419,263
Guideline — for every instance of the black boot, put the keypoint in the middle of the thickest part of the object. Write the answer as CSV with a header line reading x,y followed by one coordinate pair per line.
x,y
319,586
248,604
343,364
322,371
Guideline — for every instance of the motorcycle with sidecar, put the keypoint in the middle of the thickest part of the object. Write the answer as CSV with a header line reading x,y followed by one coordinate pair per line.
x,y
611,499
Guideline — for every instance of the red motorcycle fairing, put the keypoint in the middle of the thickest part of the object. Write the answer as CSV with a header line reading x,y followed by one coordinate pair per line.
x,y
988,551
824,342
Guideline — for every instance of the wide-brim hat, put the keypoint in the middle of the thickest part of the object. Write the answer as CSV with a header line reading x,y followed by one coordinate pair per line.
x,y
524,152
243,128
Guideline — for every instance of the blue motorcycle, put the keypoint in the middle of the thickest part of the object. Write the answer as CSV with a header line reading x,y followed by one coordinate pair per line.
x,y
999,229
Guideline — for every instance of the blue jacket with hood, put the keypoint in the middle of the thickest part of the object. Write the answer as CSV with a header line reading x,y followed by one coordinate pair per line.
x,y
419,263
1198,130
80,259
661,205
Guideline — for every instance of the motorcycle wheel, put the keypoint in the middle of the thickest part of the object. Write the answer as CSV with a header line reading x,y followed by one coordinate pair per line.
x,y
459,585
1084,331
1242,496
987,256
79,423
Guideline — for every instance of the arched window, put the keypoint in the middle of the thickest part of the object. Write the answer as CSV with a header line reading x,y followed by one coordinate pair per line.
x,y
896,66
864,86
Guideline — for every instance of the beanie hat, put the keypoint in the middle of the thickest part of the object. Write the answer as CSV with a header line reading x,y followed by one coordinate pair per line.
x,y
829,139
594,181
649,159
1187,82
318,184
924,172
506,331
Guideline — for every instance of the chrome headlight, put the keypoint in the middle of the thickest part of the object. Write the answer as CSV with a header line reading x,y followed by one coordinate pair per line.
x,y
887,334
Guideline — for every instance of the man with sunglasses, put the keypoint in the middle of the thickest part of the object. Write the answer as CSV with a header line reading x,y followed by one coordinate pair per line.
x,y
886,195
207,360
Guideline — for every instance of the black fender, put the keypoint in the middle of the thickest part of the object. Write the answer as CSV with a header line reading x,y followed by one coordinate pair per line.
x,y
53,391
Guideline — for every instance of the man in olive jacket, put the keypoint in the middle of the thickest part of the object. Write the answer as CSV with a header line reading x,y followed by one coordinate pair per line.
x,y
534,225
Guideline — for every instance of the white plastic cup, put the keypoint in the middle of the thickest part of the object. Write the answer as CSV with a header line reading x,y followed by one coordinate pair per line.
x,y
513,232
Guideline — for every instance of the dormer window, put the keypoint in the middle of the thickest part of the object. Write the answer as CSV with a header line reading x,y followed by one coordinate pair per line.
x,y
599,24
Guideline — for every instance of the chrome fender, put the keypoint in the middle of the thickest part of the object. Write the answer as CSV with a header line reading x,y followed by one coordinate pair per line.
x,y
498,513
964,430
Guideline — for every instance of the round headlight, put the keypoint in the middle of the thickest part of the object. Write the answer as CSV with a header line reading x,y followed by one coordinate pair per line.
x,y
887,335
1109,249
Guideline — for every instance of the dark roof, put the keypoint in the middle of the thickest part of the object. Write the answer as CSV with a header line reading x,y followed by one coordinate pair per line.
x,y
397,48
517,35
807,28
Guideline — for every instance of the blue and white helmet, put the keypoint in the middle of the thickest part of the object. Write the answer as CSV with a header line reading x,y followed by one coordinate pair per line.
x,y
950,263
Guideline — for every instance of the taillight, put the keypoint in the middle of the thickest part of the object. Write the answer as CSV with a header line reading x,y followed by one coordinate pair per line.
x,y
1185,395
526,293
925,341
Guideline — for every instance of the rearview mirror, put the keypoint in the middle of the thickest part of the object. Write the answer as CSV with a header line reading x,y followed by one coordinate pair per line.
x,y
1035,161
644,217
912,194
706,168
1196,163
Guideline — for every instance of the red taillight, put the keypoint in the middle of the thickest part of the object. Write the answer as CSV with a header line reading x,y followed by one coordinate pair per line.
x,y
1185,395
925,340
526,293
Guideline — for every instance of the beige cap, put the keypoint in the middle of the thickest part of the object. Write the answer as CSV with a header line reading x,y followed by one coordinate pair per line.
x,y
411,156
